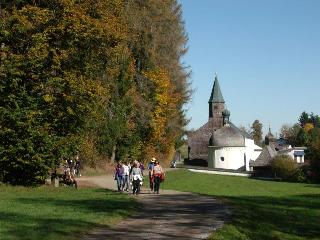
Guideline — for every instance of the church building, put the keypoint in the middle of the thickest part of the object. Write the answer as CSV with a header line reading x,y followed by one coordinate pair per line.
x,y
219,141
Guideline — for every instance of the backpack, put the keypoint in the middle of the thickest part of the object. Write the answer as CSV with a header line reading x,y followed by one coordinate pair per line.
x,y
162,177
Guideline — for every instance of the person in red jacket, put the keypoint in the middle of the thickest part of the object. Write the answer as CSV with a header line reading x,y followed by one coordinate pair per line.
x,y
158,176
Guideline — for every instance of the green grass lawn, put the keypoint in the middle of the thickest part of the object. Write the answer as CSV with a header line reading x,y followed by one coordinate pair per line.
x,y
261,209
58,213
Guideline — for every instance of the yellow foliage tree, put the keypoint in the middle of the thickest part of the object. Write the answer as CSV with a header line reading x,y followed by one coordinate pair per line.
x,y
308,126
164,111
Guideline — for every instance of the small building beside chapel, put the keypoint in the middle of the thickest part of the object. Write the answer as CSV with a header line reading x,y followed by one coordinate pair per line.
x,y
219,141
274,147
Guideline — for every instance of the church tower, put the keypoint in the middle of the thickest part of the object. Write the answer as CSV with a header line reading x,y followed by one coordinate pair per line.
x,y
270,139
216,106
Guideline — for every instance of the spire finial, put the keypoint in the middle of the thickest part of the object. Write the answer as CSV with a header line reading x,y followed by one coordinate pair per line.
x,y
215,75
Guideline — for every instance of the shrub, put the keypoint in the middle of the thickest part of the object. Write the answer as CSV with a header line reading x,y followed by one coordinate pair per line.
x,y
284,167
300,175
314,155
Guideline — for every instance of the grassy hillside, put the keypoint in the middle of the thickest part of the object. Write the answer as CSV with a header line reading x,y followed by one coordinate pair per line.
x,y
262,209
58,213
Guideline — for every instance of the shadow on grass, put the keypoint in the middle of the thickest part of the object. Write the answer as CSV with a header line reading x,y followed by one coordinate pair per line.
x,y
86,205
61,217
25,227
293,217
313,185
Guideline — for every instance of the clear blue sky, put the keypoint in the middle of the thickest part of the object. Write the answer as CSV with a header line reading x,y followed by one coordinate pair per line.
x,y
266,54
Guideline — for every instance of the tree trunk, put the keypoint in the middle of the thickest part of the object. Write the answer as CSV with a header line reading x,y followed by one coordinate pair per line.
x,y
113,156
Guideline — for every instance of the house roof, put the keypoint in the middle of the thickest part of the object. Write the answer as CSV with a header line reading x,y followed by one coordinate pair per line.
x,y
227,136
265,157
294,149
216,95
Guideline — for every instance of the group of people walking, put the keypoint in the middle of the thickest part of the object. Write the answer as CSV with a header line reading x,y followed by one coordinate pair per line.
x,y
130,176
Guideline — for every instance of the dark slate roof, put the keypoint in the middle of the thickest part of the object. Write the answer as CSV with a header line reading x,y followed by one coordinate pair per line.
x,y
282,147
265,157
216,95
228,136
198,142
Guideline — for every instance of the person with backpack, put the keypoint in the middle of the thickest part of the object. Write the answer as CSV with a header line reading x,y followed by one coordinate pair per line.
x,y
136,176
158,176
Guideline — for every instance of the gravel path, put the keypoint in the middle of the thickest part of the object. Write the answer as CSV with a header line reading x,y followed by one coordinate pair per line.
x,y
169,215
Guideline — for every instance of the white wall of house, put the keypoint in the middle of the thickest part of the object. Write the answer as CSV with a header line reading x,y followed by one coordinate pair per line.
x,y
297,159
229,157
252,152
233,157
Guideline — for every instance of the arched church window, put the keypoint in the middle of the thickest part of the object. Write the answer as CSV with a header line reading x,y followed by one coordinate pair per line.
x,y
222,159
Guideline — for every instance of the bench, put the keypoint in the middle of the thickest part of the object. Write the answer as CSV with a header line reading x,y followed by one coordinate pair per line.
x,y
60,180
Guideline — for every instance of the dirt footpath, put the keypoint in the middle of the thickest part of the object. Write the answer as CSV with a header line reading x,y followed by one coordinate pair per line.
x,y
169,215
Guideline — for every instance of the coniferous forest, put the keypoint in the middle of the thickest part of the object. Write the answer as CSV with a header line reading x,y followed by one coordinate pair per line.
x,y
99,78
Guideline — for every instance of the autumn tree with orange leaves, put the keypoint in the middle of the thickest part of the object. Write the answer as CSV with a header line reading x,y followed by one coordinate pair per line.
x,y
99,78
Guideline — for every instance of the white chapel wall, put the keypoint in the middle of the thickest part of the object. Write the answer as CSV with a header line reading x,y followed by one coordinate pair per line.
x,y
229,157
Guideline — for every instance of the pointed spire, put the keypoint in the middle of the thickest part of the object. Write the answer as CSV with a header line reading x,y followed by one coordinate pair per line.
x,y
216,95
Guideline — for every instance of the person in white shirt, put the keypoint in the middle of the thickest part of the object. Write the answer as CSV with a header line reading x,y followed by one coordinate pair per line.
x,y
136,176
125,176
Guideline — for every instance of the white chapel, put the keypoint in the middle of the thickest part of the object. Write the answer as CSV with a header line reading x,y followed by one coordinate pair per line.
x,y
219,141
